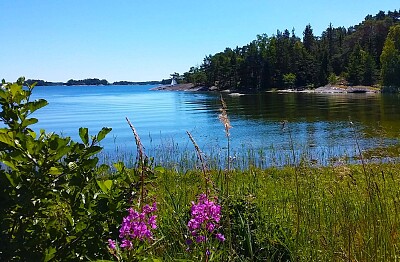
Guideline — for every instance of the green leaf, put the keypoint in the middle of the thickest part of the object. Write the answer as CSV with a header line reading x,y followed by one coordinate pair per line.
x,y
12,177
93,150
6,139
10,164
70,219
3,94
30,144
108,184
70,238
51,223
53,144
50,252
32,134
80,226
55,171
37,104
103,132
119,166
61,152
105,186
84,134
28,122
159,170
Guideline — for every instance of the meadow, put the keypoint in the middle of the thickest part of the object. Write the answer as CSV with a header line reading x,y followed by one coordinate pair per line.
x,y
60,203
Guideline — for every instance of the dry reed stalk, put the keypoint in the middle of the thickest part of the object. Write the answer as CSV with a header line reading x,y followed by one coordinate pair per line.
x,y
141,159
203,163
139,144
223,117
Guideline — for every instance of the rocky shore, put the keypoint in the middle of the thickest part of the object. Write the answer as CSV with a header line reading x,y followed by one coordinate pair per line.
x,y
336,89
181,87
328,89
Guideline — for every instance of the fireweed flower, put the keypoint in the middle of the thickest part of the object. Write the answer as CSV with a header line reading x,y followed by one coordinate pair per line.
x,y
137,226
205,218
111,244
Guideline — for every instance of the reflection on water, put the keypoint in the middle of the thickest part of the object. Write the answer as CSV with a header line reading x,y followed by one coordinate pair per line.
x,y
319,124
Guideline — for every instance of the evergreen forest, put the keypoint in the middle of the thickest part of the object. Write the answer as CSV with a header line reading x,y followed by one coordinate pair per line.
x,y
365,54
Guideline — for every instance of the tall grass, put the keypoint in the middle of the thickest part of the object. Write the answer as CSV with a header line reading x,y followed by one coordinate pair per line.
x,y
337,221
297,212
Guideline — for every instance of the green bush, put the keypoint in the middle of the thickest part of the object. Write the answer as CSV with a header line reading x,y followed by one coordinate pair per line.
x,y
56,202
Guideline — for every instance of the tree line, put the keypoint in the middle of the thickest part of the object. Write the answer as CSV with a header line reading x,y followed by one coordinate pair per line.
x,y
364,54
89,82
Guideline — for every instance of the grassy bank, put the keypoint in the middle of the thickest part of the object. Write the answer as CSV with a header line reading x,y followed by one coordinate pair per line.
x,y
58,203
340,213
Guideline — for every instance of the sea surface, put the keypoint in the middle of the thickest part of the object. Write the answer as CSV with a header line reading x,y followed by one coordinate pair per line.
x,y
267,128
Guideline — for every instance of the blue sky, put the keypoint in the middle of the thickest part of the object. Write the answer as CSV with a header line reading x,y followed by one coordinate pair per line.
x,y
58,40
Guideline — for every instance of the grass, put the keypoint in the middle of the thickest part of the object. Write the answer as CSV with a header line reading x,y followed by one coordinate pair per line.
x,y
344,210
341,211
297,212
327,214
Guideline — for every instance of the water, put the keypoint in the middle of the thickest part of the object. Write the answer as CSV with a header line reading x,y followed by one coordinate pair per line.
x,y
318,125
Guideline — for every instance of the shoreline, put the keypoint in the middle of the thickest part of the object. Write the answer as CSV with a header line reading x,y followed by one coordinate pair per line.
x,y
328,89
335,89
181,87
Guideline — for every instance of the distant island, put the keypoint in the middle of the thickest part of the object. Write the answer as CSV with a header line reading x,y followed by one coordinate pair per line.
x,y
93,82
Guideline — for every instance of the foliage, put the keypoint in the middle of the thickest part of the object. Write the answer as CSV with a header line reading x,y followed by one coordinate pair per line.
x,y
55,201
332,79
195,76
289,80
390,58
264,62
89,82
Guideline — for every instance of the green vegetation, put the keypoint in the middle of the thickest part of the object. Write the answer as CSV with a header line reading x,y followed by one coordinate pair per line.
x,y
38,82
90,81
365,54
390,58
124,83
58,204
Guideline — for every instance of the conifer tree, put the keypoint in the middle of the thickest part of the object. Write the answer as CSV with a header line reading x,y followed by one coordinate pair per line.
x,y
390,58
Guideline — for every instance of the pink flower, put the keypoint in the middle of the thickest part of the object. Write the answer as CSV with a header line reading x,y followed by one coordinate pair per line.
x,y
138,225
111,244
205,217
220,237
126,244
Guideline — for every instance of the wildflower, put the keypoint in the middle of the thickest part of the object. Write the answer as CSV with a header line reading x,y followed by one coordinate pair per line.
x,y
111,244
205,218
220,237
200,239
138,226
126,244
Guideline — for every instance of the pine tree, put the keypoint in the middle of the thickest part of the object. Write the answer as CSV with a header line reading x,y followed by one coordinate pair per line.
x,y
390,58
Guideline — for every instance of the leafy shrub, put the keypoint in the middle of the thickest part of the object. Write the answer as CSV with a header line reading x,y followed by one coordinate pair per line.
x,y
55,204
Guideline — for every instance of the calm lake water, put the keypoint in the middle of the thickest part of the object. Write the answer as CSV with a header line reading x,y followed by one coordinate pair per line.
x,y
319,124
